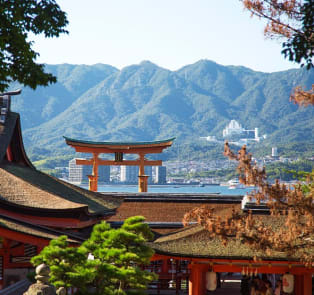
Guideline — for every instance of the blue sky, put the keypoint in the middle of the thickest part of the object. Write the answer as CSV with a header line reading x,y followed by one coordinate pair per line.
x,y
170,33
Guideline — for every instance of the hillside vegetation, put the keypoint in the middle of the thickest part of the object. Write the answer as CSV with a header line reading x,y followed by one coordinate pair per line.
x,y
146,102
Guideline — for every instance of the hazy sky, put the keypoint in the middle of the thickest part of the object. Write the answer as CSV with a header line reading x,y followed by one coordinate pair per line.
x,y
170,33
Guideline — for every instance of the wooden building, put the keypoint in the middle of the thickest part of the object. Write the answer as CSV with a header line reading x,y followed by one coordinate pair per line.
x,y
36,207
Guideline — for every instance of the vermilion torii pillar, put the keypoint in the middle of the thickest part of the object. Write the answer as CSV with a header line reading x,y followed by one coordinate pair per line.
x,y
119,149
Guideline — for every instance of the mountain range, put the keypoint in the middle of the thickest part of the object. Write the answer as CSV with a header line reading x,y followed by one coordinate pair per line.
x,y
146,102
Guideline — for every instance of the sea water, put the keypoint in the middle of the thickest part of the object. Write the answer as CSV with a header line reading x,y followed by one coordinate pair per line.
x,y
190,189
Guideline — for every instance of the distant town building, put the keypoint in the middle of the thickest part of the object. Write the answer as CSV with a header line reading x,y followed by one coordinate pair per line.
x,y
103,174
129,174
161,175
238,135
209,138
274,152
78,173
232,128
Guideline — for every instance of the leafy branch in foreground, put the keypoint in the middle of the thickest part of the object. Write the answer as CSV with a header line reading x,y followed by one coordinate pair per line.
x,y
303,97
290,226
291,20
19,19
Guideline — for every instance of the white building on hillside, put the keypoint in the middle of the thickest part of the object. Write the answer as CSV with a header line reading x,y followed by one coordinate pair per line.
x,y
234,127
234,131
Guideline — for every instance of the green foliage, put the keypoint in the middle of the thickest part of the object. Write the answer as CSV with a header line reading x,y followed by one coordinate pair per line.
x,y
68,265
17,59
296,170
299,48
146,102
116,267
301,149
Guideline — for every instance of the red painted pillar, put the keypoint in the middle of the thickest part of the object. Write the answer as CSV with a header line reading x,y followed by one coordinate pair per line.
x,y
307,284
9,154
164,274
298,285
164,267
197,280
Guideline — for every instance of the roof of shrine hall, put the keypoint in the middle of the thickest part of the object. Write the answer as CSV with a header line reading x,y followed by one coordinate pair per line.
x,y
194,241
27,190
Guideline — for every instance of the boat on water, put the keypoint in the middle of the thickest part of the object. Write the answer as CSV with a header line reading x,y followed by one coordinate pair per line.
x,y
235,184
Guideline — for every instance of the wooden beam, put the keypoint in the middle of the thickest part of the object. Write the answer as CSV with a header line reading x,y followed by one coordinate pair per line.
x,y
114,163
24,238
84,161
102,150
130,163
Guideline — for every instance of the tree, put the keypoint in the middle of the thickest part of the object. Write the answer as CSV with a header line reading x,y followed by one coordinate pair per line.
x,y
69,266
119,255
302,97
292,20
294,206
19,18
116,267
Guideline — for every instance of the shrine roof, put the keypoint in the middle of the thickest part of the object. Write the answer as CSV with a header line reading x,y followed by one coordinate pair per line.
x,y
195,242
10,134
28,187
35,230
25,189
172,207
112,144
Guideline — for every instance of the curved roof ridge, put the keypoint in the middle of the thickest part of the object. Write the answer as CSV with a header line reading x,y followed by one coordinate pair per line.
x,y
21,192
135,143
49,185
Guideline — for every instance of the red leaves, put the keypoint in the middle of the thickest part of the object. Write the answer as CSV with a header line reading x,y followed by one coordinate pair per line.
x,y
303,97
283,16
294,234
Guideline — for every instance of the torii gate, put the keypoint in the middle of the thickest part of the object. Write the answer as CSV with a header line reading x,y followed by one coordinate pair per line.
x,y
119,148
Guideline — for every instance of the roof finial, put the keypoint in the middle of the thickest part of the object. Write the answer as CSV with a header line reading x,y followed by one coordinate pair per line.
x,y
5,104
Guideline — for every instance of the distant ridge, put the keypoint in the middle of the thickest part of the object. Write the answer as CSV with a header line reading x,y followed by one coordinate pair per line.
x,y
145,102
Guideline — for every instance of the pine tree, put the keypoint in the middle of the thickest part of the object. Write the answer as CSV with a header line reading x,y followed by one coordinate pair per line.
x,y
68,265
119,255
116,267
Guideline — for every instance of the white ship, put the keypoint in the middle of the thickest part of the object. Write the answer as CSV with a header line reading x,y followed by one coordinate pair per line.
x,y
235,184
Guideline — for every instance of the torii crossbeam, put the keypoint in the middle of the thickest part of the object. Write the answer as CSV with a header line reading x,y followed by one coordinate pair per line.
x,y
119,149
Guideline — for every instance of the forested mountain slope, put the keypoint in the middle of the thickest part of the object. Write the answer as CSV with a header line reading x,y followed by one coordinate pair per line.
x,y
146,102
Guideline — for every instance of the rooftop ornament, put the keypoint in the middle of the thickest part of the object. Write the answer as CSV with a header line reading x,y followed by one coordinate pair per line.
x,y
5,104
